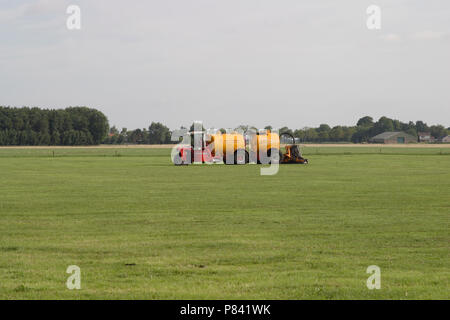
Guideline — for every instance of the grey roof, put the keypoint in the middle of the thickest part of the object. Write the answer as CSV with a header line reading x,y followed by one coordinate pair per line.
x,y
391,134
386,135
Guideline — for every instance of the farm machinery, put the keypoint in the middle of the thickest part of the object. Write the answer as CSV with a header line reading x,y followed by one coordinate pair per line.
x,y
292,152
232,148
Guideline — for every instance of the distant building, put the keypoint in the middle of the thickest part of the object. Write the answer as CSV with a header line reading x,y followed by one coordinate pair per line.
x,y
446,139
393,137
426,137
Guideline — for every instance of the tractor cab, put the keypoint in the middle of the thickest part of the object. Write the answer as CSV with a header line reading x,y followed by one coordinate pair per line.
x,y
196,152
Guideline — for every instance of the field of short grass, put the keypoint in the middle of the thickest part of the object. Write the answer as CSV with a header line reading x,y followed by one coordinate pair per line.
x,y
141,228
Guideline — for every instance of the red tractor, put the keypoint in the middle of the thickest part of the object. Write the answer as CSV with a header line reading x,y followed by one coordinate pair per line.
x,y
188,154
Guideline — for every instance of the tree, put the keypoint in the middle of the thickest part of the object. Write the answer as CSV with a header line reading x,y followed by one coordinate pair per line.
x,y
113,130
135,136
348,133
300,134
411,131
158,133
365,122
35,126
323,128
285,129
323,132
55,139
311,135
361,134
438,131
384,124
421,126
44,139
398,126
98,125
323,136
336,134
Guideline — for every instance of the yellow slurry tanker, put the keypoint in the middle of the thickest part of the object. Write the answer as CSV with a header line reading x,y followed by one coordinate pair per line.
x,y
229,145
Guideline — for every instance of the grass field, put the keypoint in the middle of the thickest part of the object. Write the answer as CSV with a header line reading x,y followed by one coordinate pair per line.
x,y
141,228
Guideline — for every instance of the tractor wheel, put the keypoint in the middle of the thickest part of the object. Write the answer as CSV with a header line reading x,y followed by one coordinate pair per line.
x,y
177,160
241,157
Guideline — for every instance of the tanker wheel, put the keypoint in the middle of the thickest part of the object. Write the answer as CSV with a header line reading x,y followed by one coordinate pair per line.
x,y
224,159
254,157
241,157
272,153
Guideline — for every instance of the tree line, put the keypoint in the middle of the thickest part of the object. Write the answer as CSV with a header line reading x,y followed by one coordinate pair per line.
x,y
86,126
156,133
39,127
365,128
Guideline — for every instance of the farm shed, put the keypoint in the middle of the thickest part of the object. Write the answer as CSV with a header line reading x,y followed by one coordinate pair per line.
x,y
393,138
426,137
446,139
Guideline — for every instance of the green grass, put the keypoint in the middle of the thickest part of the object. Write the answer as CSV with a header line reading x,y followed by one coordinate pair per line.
x,y
223,232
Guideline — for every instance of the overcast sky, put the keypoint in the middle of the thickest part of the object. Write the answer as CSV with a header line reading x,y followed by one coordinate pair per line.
x,y
229,62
